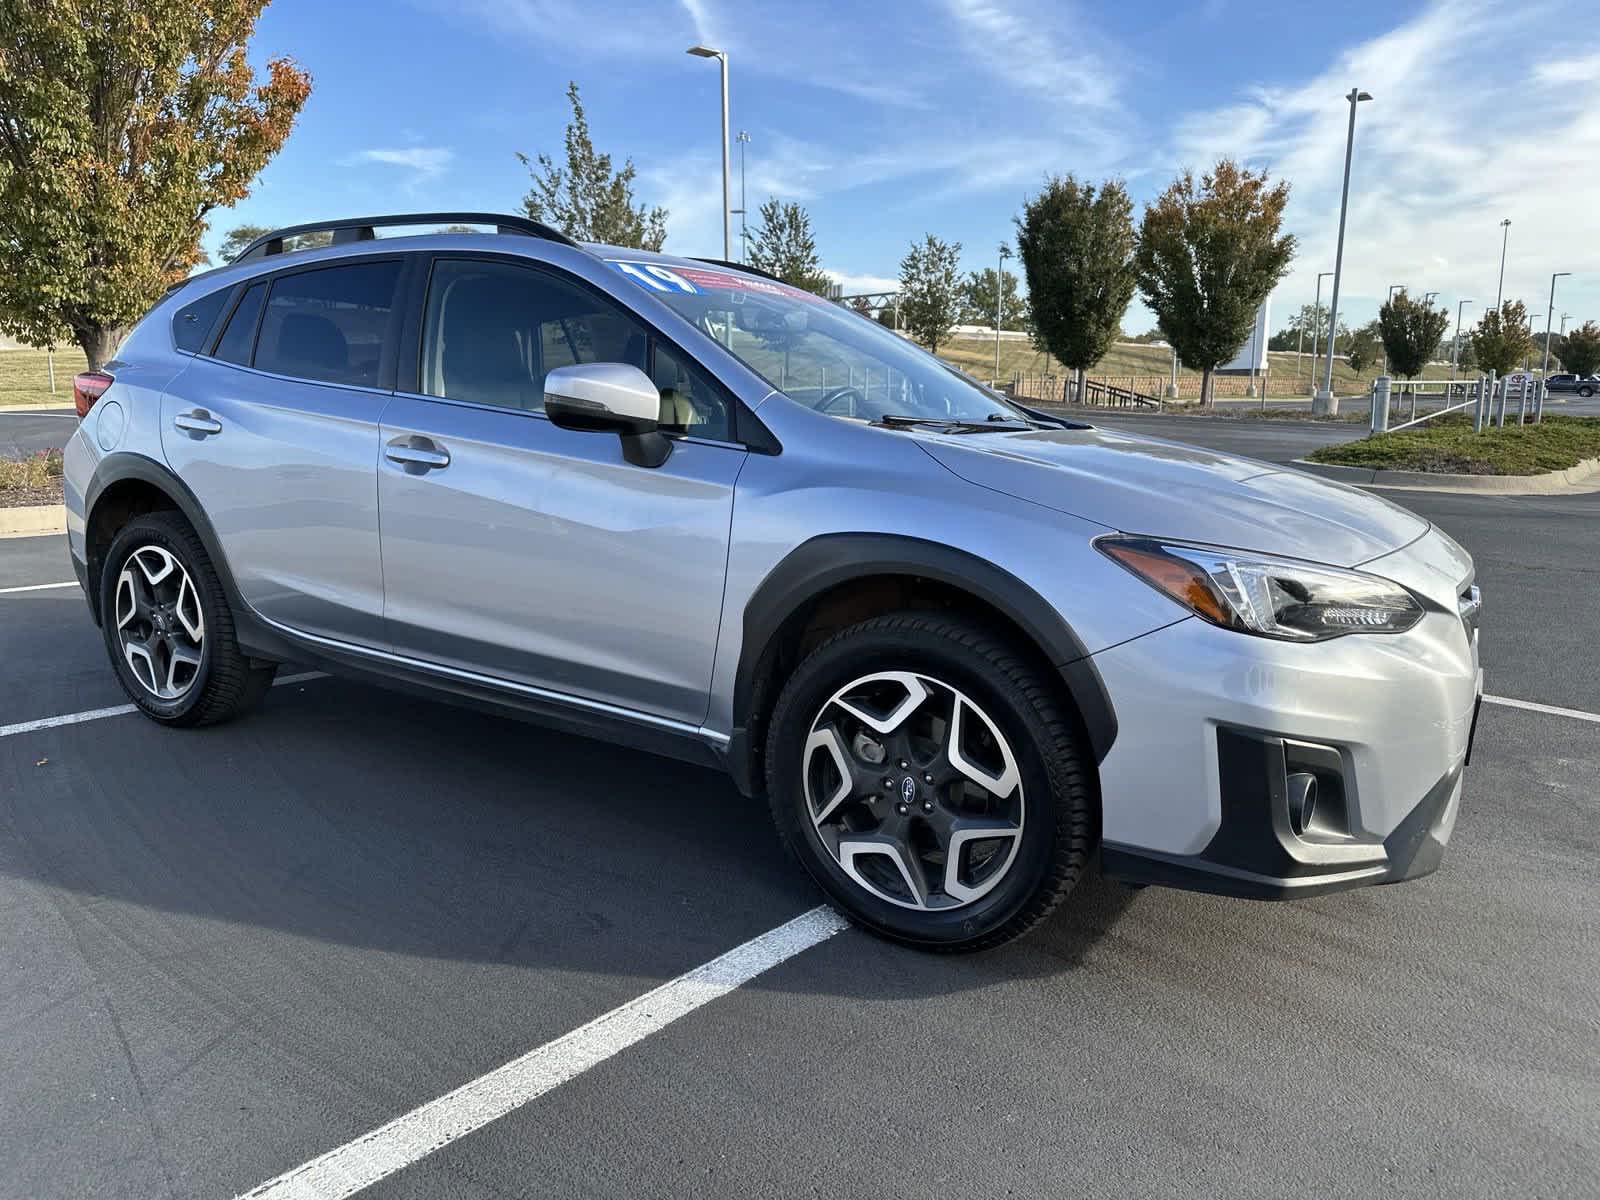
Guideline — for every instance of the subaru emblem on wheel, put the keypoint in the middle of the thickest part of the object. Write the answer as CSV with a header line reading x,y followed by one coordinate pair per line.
x,y
962,649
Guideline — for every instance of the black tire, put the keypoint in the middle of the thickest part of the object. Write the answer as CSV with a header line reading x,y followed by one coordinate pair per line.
x,y
1586,392
226,683
1055,843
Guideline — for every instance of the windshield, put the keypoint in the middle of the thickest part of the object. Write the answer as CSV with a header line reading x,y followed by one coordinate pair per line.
x,y
816,352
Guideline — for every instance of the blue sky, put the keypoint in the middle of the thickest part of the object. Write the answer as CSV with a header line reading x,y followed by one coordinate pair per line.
x,y
887,120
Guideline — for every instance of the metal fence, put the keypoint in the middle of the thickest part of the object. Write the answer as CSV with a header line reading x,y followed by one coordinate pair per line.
x,y
1488,398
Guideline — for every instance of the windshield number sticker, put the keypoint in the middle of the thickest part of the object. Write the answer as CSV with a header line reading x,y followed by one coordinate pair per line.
x,y
690,280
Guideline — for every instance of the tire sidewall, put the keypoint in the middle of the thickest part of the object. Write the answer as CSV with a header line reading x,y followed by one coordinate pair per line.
x,y
850,657
154,531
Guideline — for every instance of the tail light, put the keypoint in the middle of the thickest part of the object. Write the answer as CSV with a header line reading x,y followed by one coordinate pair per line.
x,y
87,387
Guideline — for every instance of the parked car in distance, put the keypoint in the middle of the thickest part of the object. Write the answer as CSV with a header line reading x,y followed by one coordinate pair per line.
x,y
960,648
1580,385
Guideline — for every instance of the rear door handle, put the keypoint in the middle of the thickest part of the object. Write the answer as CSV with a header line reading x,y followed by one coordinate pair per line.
x,y
416,454
198,422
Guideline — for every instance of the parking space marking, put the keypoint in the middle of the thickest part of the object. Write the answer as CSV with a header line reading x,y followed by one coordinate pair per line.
x,y
37,587
1577,714
121,710
389,1148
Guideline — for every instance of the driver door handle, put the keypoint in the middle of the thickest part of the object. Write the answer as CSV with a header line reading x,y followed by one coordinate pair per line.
x,y
198,422
417,453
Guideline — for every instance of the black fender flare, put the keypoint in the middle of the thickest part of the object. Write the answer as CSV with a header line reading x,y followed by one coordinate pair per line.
x,y
824,562
126,465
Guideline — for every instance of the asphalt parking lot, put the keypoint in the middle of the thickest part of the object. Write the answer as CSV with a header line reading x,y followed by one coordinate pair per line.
x,y
224,953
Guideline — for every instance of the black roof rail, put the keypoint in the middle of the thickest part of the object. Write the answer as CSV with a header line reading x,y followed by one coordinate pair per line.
x,y
745,267
362,229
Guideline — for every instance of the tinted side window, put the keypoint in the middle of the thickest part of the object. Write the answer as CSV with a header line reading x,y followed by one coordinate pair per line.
x,y
192,323
690,402
239,338
328,324
494,330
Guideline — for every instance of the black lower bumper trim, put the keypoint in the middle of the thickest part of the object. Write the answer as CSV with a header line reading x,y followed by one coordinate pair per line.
x,y
1415,848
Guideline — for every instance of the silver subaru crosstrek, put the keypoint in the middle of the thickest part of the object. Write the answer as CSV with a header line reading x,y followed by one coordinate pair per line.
x,y
962,648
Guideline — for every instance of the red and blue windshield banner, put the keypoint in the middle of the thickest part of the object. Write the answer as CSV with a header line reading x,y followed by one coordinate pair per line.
x,y
690,281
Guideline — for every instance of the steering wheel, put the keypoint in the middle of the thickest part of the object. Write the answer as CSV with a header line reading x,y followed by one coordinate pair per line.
x,y
848,392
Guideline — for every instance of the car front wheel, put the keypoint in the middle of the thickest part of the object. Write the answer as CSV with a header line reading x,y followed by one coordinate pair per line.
x,y
929,778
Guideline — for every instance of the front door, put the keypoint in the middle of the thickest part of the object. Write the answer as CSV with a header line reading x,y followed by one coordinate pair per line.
x,y
520,551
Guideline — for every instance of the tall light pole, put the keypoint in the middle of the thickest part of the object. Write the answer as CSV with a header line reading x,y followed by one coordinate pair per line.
x,y
1324,403
999,301
1549,315
1500,288
1455,349
744,205
727,220
1316,324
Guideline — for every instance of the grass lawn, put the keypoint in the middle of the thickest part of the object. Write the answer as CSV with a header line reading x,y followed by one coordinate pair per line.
x,y
25,376
1449,446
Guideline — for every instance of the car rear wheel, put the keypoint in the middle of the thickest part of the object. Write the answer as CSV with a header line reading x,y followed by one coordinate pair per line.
x,y
929,779
1586,392
169,630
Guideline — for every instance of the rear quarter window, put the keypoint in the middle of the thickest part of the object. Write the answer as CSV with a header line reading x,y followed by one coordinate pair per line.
x,y
192,324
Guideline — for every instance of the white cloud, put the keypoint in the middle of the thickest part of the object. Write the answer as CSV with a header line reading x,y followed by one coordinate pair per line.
x,y
1569,70
855,285
1038,48
1452,142
424,162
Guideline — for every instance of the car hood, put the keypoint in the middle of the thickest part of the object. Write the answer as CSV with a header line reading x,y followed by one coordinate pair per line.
x,y
1168,489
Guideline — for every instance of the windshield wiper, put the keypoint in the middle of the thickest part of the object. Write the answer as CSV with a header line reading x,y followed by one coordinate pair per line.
x,y
993,423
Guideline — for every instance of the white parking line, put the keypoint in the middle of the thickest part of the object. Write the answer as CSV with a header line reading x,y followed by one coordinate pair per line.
x,y
37,587
389,1148
1577,714
121,710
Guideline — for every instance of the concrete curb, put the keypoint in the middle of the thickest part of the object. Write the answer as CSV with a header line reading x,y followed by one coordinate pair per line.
x,y
52,409
32,519
1576,480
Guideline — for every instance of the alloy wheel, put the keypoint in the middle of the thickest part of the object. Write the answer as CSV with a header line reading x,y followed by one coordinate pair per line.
x,y
160,626
913,790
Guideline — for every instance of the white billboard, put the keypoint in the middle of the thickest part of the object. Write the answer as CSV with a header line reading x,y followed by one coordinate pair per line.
x,y
1253,354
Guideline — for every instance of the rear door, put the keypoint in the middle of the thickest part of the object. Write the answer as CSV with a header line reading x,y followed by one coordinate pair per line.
x,y
275,431
537,555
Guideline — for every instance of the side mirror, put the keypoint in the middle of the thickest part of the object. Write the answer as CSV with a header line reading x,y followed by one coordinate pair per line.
x,y
609,398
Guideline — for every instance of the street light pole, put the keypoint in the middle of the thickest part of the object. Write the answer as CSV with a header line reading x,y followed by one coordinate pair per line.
x,y
744,205
1455,349
1500,288
1324,404
727,219
1549,315
999,299
1316,326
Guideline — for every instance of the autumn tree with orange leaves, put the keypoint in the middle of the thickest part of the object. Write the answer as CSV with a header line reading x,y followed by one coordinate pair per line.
x,y
121,126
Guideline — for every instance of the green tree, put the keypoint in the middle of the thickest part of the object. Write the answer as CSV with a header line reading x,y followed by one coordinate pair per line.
x,y
1363,346
784,246
1209,254
238,238
1410,330
586,200
1077,246
1580,349
121,127
1501,339
930,290
978,300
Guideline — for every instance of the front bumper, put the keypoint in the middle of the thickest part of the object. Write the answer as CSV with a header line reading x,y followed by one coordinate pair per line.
x,y
1215,729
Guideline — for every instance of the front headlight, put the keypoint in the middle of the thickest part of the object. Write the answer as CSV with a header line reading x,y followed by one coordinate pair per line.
x,y
1266,595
